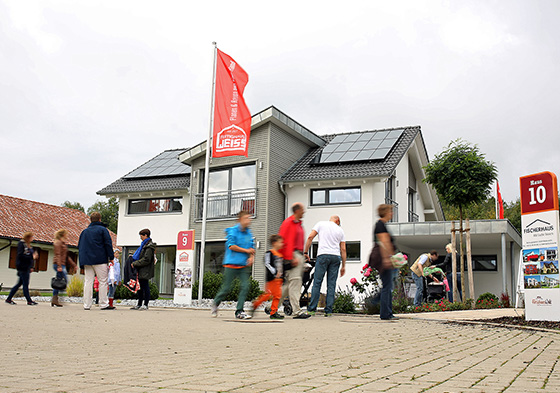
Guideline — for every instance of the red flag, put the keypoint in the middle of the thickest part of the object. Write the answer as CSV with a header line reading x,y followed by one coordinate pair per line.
x,y
232,119
500,203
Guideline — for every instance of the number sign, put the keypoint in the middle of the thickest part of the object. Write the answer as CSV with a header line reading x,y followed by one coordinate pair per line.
x,y
538,193
185,240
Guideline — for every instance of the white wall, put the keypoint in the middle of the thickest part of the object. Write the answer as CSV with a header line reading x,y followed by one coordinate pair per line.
x,y
164,226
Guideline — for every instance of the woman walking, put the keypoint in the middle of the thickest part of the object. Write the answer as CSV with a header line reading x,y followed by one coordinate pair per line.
x,y
143,262
24,264
62,263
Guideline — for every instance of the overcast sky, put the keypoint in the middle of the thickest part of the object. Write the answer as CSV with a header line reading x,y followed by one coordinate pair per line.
x,y
90,90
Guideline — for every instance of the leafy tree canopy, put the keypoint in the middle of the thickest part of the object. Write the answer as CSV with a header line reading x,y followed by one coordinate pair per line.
x,y
109,212
486,210
461,175
73,205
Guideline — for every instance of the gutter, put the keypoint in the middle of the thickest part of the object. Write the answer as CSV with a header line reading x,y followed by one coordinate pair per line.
x,y
281,184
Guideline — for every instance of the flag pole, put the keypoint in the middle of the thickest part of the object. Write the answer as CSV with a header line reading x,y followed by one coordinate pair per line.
x,y
206,177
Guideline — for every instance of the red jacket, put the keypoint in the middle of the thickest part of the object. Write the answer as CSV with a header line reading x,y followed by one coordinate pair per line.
x,y
289,231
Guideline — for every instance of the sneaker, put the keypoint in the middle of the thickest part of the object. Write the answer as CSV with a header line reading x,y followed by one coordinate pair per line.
x,y
108,308
143,308
11,302
302,316
87,309
32,303
242,315
276,316
135,308
214,310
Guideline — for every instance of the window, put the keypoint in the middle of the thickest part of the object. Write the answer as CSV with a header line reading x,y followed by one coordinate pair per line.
x,y
41,263
150,206
483,263
230,190
353,250
336,196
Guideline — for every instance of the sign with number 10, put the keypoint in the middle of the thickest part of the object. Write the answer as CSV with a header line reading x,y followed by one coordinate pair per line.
x,y
538,193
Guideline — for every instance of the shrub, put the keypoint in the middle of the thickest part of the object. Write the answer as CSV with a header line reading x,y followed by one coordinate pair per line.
x,y
505,301
75,287
487,296
490,303
371,305
402,304
213,281
123,292
344,302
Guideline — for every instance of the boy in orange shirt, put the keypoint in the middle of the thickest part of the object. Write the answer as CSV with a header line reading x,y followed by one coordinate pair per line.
x,y
273,262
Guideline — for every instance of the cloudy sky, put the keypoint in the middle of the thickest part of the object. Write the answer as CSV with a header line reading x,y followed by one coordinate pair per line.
x,y
90,90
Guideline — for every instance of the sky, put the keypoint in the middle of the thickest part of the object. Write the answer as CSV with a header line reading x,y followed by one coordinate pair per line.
x,y
90,90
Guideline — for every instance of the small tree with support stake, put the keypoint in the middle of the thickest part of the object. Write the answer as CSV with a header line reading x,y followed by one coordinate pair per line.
x,y
461,176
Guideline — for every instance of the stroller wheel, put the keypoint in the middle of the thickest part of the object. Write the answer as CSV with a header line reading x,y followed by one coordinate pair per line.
x,y
267,310
287,307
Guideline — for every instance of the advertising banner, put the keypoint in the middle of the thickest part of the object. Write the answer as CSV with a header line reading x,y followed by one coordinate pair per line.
x,y
539,225
182,293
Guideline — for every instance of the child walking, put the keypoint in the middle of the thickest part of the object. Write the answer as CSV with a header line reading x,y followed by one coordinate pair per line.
x,y
273,262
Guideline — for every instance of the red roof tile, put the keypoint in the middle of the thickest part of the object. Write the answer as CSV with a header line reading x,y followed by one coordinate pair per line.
x,y
21,215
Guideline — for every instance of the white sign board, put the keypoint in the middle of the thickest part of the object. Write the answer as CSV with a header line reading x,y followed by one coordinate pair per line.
x,y
182,293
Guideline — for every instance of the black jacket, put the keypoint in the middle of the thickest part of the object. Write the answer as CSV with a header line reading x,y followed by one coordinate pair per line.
x,y
145,264
24,260
446,265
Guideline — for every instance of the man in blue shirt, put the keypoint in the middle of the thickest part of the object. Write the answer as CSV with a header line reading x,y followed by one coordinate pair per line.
x,y
240,255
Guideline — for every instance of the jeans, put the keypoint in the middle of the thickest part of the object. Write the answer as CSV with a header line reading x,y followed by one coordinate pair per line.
x,y
144,292
62,274
459,287
386,296
229,274
419,281
329,264
112,289
23,280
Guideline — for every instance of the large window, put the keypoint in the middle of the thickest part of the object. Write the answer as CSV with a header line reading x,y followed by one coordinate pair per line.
x,y
149,206
483,263
352,251
336,196
230,190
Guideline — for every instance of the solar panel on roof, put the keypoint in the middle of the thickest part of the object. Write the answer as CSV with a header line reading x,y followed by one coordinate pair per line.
x,y
370,145
164,164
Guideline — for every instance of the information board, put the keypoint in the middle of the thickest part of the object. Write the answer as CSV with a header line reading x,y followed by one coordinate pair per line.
x,y
182,293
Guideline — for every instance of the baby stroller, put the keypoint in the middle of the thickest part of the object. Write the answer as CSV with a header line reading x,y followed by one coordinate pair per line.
x,y
434,291
307,280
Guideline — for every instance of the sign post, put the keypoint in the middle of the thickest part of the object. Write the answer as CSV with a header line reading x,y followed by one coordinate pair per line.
x,y
182,293
539,222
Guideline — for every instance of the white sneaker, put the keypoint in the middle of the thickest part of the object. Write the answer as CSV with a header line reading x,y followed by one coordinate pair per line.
x,y
242,315
214,309
143,308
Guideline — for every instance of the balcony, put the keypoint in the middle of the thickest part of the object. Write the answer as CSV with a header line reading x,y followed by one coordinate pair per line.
x,y
412,217
226,204
395,205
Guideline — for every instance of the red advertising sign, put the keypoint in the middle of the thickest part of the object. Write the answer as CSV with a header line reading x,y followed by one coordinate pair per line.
x,y
185,240
539,192
232,119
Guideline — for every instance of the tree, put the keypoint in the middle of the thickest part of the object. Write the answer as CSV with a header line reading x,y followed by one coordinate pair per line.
x,y
512,211
73,205
462,177
485,210
109,212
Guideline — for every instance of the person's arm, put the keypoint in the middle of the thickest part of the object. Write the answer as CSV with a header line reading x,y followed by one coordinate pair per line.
x,y
108,244
386,248
58,255
146,259
236,248
308,243
343,257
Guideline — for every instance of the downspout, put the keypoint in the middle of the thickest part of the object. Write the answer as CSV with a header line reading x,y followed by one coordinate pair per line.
x,y
504,264
281,184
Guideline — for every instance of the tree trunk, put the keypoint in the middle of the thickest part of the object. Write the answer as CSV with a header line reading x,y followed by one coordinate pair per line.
x,y
462,267
469,262
454,263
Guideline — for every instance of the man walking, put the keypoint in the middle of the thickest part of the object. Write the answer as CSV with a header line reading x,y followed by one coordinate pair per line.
x,y
96,251
291,231
417,268
331,251
240,255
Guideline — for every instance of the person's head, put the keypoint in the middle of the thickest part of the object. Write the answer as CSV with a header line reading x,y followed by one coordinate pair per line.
x,y
95,217
244,218
117,252
335,219
434,255
144,234
449,248
385,211
60,234
298,210
276,242
27,237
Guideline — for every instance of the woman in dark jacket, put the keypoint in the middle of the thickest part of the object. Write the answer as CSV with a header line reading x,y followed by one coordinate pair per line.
x,y
143,262
386,270
24,264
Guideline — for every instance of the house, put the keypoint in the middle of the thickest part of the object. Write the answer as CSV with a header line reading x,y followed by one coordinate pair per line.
x,y
549,268
347,174
43,220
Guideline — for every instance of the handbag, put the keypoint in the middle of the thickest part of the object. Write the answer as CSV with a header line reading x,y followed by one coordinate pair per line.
x,y
58,283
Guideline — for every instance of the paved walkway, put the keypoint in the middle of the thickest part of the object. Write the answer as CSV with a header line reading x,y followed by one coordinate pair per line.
x,y
176,350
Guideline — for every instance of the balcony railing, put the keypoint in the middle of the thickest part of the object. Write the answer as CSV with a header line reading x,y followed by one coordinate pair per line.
x,y
226,204
389,201
412,217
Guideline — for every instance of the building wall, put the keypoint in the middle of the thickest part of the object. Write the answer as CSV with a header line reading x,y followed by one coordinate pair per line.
x,y
164,226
